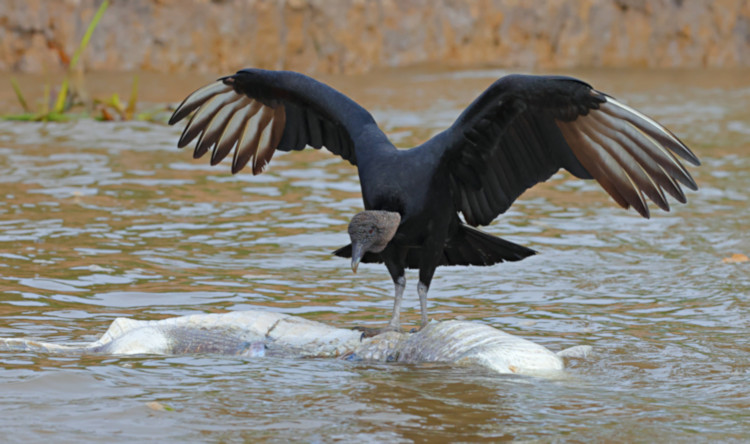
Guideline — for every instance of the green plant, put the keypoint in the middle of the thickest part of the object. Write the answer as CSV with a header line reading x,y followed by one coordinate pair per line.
x,y
63,101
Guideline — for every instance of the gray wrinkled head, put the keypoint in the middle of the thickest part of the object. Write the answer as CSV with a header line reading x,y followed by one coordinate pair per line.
x,y
370,231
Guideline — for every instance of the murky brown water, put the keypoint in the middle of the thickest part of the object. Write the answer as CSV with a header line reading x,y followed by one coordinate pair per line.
x,y
99,220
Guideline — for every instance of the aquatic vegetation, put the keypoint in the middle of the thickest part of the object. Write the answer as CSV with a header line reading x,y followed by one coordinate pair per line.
x,y
68,104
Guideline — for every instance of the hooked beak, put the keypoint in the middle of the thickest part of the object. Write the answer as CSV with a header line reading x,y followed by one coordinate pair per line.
x,y
357,252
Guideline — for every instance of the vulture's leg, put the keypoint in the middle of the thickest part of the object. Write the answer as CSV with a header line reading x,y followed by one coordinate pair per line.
x,y
431,254
422,292
396,263
395,322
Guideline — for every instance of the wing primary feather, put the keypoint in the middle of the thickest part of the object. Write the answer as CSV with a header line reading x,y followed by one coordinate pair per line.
x,y
605,170
189,133
650,166
246,135
310,114
661,155
215,127
650,126
248,142
249,149
265,141
675,167
653,160
672,187
232,131
202,117
622,155
196,99
646,157
279,124
618,174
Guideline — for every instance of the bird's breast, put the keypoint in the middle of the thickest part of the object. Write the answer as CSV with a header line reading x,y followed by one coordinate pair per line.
x,y
396,183
410,185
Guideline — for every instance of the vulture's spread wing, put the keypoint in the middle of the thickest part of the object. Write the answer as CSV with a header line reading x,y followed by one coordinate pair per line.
x,y
257,112
523,129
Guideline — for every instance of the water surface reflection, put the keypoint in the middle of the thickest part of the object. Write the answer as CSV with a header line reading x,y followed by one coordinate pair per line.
x,y
99,220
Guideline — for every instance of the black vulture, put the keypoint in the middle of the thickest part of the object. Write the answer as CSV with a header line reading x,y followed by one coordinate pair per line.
x,y
517,133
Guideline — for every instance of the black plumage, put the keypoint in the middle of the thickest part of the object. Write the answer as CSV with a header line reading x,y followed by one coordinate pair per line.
x,y
517,133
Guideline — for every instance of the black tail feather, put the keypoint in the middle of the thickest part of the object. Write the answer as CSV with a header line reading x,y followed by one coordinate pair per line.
x,y
468,246
474,247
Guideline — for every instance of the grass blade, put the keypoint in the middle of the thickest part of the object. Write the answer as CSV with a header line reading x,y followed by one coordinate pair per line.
x,y
60,102
130,109
19,95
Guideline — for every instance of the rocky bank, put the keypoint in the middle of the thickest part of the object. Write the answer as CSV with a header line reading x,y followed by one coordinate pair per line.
x,y
334,36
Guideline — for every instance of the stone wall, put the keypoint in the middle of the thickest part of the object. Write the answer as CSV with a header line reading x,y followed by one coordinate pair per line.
x,y
335,36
